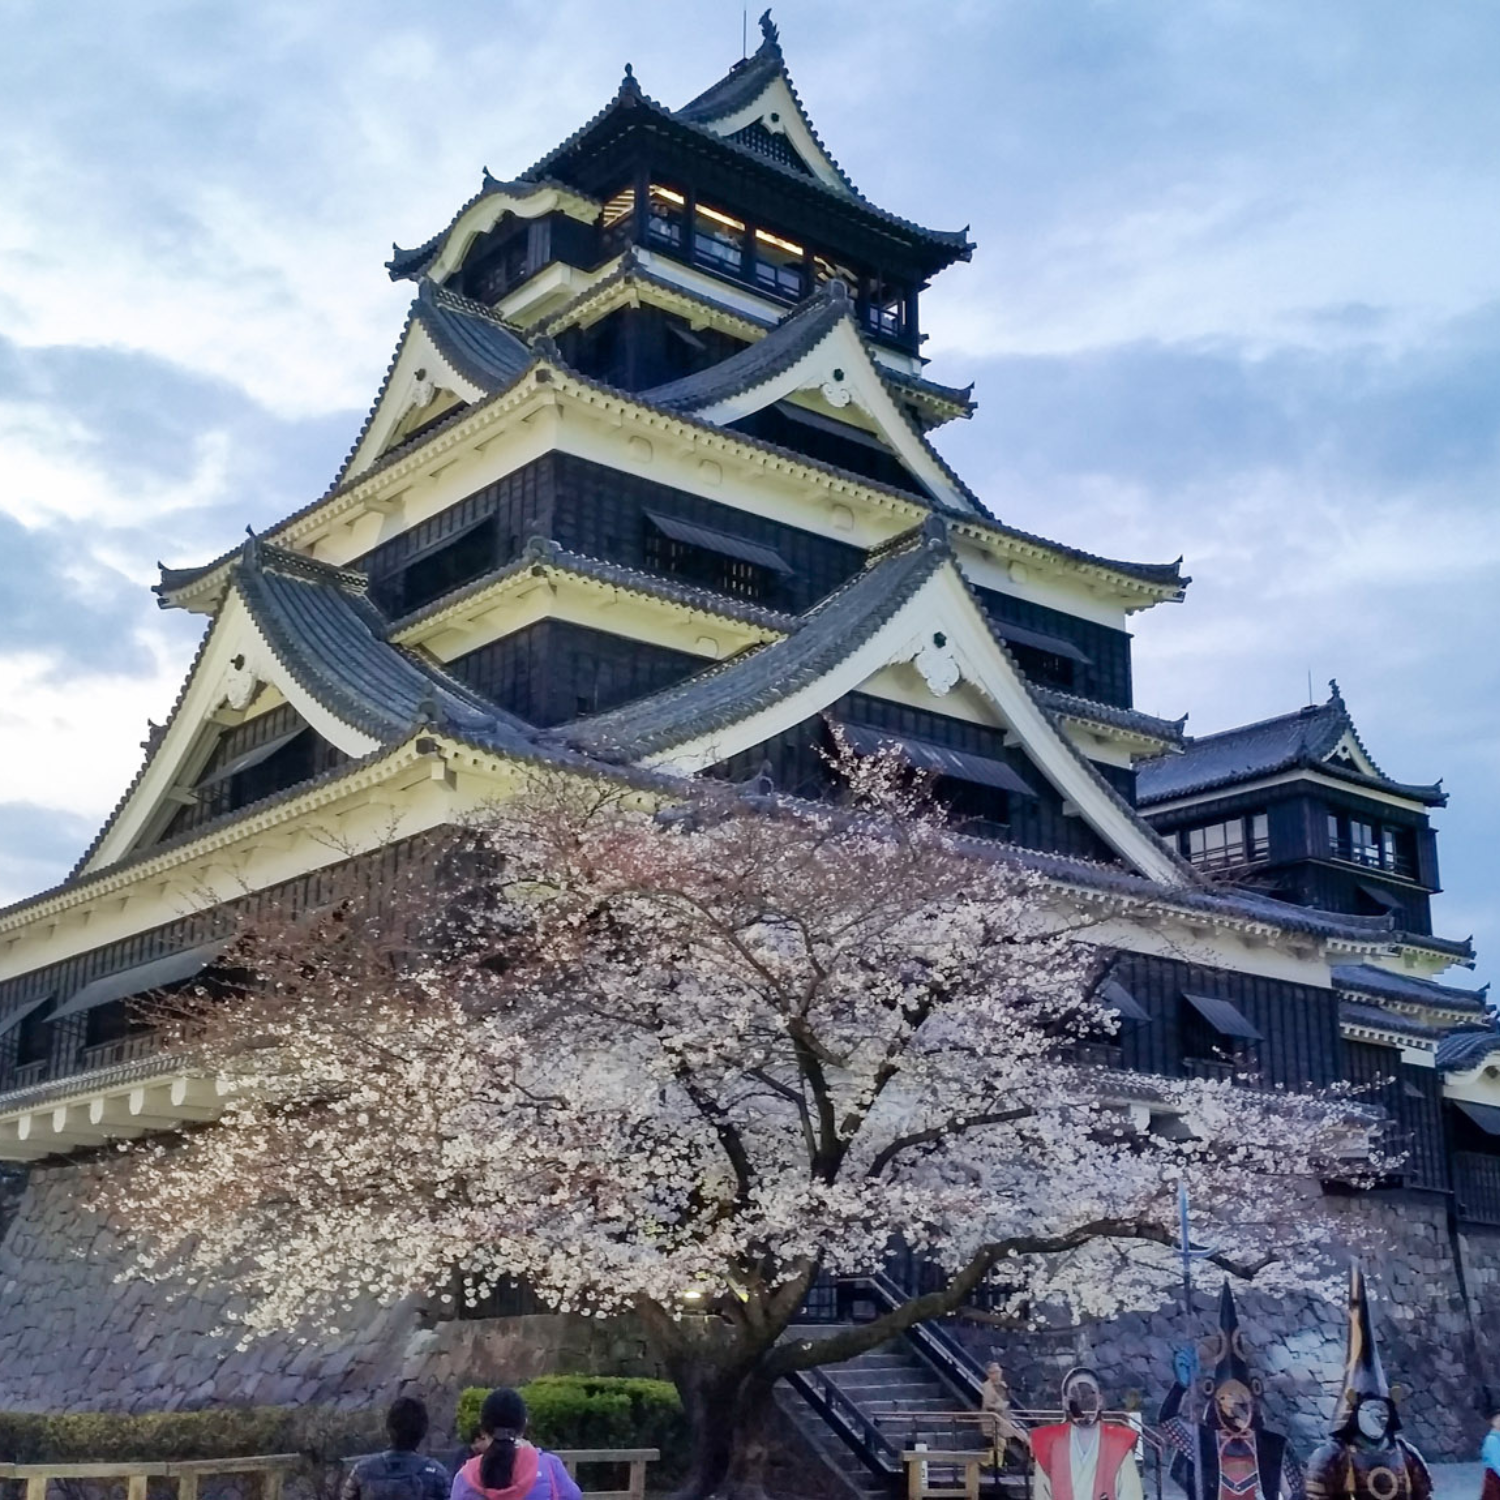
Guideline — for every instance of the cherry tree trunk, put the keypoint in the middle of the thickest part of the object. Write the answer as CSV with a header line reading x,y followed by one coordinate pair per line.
x,y
730,1417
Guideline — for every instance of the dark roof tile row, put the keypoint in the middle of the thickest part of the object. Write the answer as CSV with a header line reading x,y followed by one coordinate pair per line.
x,y
1368,979
1301,740
763,675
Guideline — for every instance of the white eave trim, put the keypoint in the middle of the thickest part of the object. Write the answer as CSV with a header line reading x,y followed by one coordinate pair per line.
x,y
838,369
233,636
492,207
113,1104
404,391
1265,783
944,605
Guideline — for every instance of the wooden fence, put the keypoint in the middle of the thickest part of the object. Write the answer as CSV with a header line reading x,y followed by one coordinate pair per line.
x,y
274,1467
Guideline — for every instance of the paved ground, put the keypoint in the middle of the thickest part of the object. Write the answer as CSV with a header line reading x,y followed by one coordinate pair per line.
x,y
1457,1481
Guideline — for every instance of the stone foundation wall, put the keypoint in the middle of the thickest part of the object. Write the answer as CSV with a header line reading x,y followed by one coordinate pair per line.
x,y
12,1190
1480,1257
1427,1333
73,1339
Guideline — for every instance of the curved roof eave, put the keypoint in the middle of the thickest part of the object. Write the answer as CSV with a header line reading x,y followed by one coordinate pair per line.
x,y
1157,580
953,243
410,265
1302,740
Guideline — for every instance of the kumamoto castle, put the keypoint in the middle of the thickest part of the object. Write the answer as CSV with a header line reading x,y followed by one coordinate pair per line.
x,y
652,482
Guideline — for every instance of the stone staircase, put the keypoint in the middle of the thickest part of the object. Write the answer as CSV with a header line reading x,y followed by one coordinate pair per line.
x,y
892,1386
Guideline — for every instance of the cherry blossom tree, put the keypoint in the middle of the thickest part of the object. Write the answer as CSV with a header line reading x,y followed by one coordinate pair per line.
x,y
679,1057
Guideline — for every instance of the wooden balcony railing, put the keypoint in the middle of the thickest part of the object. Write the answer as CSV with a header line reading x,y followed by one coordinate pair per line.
x,y
123,1049
24,1075
1212,1068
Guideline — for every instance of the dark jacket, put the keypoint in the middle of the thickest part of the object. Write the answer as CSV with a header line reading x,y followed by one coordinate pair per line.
x,y
397,1475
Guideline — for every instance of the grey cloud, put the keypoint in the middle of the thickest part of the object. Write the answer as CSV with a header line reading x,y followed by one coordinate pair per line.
x,y
141,418
137,422
59,601
1173,415
37,844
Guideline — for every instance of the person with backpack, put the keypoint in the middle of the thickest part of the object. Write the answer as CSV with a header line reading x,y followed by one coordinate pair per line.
x,y
510,1468
400,1473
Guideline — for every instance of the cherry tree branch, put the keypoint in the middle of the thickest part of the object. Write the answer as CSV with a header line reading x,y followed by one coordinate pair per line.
x,y
946,1131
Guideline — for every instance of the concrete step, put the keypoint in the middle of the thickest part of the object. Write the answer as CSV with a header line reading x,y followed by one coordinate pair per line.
x,y
894,1387
851,1476
887,1384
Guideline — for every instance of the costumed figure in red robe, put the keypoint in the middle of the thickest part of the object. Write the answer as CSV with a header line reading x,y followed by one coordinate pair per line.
x,y
1366,1458
1230,1453
1084,1458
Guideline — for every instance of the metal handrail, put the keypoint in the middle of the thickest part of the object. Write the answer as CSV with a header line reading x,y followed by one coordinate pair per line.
x,y
939,1348
861,1433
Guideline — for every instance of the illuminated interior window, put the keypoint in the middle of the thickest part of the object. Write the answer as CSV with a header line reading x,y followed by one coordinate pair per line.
x,y
718,240
779,264
667,216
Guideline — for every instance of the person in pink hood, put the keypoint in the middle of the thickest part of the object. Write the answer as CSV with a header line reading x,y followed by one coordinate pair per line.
x,y
510,1468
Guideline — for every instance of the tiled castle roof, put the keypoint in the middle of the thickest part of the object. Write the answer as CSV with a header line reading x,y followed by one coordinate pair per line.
x,y
331,640
409,265
1461,1050
1302,740
947,244
730,690
1367,979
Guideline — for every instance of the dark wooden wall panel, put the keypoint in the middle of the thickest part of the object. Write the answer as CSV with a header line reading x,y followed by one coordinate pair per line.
x,y
1107,679
554,671
1299,1023
377,878
307,756
521,502
1034,823
601,512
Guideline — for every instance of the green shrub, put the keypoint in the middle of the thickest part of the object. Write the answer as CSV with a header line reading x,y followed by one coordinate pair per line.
x,y
596,1411
322,1434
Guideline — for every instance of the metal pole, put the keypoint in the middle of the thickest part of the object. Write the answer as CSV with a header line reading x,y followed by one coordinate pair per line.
x,y
1196,1456
1187,1256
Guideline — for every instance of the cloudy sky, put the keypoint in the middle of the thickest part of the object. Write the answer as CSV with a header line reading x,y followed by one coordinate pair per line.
x,y
1237,296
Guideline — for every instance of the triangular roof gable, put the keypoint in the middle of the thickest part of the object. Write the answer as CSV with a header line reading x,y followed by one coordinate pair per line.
x,y
449,344
817,350
1347,750
444,253
911,604
759,92
234,659
306,630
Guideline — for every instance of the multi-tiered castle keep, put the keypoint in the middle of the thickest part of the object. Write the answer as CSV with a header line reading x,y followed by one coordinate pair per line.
x,y
652,482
